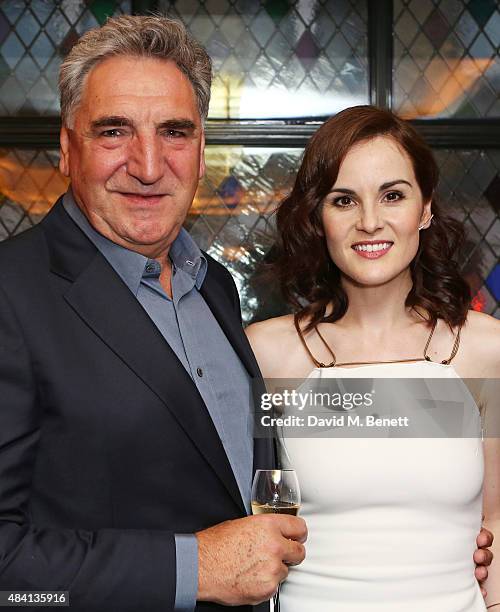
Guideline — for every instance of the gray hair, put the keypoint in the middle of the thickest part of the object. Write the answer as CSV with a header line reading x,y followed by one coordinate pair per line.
x,y
140,36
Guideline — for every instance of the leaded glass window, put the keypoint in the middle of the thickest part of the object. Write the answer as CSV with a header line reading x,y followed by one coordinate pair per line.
x,y
446,58
470,191
289,60
232,219
281,59
34,37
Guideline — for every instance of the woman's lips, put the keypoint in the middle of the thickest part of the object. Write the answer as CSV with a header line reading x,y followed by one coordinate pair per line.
x,y
378,249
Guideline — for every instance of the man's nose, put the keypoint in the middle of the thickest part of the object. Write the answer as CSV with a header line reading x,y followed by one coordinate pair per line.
x,y
145,159
370,218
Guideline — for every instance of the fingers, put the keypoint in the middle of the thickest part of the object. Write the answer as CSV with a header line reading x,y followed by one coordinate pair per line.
x,y
483,556
295,553
485,538
243,561
481,573
293,528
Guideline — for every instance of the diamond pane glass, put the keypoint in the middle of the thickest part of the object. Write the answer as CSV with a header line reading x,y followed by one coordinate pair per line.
x,y
470,191
281,58
231,215
446,58
34,37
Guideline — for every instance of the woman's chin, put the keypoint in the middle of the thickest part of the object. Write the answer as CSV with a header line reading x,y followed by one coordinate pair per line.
x,y
377,278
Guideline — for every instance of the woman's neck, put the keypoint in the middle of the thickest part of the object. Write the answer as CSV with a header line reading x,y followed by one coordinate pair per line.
x,y
381,308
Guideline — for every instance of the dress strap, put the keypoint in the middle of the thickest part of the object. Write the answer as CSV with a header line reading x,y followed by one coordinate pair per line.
x,y
317,363
334,363
454,350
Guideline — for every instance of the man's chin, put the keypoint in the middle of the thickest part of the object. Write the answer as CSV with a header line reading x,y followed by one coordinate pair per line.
x,y
147,238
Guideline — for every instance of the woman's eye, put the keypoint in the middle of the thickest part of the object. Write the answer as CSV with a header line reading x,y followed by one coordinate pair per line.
x,y
394,196
343,201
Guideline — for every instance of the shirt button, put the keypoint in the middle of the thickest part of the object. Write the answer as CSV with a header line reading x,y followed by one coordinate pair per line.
x,y
199,371
150,268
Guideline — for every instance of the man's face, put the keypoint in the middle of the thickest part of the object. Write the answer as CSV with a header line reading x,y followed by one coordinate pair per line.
x,y
135,151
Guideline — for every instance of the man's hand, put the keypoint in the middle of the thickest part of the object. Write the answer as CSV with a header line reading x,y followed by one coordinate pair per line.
x,y
243,561
482,556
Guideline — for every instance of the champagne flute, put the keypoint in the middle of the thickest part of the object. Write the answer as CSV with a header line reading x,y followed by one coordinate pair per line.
x,y
275,492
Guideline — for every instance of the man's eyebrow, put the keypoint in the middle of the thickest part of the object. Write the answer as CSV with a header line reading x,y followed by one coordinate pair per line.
x,y
110,121
177,124
119,121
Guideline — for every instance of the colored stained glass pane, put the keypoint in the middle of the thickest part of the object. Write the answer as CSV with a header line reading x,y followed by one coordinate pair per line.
x,y
277,9
102,9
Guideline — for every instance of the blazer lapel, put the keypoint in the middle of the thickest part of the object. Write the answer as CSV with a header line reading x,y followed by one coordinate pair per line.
x,y
94,294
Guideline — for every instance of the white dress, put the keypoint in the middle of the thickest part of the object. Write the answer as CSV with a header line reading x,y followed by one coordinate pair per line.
x,y
392,521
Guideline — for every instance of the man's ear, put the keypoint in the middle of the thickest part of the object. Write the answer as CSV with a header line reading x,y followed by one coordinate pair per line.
x,y
64,151
201,171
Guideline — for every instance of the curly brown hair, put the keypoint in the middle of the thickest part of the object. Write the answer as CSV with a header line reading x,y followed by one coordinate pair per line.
x,y
310,281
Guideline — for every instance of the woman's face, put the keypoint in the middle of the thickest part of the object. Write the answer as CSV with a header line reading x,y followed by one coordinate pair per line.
x,y
372,213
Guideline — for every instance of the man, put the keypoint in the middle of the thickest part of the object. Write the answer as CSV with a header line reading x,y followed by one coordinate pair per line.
x,y
125,374
125,441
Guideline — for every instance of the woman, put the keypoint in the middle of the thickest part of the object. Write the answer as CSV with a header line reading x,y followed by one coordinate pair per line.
x,y
367,262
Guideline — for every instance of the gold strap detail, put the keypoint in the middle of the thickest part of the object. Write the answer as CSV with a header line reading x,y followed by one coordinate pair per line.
x,y
454,350
354,363
317,363
334,363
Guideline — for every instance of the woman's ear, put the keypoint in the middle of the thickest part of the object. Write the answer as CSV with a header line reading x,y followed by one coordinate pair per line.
x,y
426,216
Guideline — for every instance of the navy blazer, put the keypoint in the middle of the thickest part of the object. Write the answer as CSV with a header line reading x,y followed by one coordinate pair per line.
x,y
106,447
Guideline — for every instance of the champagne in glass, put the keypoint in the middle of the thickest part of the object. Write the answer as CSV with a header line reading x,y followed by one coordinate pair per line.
x,y
275,492
278,508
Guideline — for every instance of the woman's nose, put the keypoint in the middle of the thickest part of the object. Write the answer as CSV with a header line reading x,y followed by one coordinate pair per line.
x,y
370,219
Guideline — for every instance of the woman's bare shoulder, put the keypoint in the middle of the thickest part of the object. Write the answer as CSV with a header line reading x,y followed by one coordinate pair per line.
x,y
481,343
272,341
269,333
482,328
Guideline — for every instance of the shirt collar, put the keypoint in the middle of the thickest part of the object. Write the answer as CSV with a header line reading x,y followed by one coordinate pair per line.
x,y
186,256
131,266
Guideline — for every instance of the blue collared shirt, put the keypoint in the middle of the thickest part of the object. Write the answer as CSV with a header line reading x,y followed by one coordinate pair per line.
x,y
193,333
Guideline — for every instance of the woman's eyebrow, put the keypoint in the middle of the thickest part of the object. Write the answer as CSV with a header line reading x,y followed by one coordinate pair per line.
x,y
392,183
343,190
381,188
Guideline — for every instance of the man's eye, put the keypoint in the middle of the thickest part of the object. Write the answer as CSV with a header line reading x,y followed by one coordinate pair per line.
x,y
175,133
112,133
343,201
